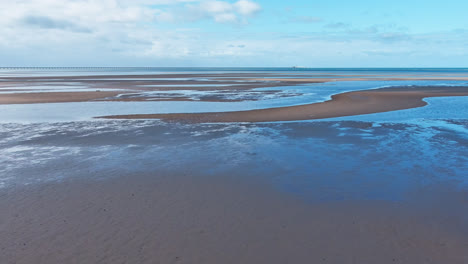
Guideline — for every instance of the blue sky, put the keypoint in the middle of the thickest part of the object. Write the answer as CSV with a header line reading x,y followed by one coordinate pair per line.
x,y
332,33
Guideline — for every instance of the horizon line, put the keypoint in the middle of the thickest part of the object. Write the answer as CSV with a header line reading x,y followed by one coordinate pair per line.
x,y
214,67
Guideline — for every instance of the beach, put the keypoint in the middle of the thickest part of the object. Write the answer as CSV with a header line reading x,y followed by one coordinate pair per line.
x,y
233,167
139,218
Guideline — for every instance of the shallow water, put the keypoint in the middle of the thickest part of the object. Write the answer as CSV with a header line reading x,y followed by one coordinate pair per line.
x,y
313,160
438,108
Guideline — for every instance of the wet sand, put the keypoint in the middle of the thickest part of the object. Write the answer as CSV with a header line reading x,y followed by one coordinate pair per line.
x,y
345,104
128,88
133,96
338,78
191,218
54,97
128,85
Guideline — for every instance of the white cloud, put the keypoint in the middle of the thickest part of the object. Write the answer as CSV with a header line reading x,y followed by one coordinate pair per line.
x,y
218,11
103,31
225,18
247,8
98,13
216,7
100,24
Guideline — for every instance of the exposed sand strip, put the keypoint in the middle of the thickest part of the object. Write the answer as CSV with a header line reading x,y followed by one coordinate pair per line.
x,y
345,104
339,78
54,97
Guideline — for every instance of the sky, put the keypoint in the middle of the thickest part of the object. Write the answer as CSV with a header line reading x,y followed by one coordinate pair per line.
x,y
237,33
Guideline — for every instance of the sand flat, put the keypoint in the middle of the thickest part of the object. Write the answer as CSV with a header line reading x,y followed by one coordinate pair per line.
x,y
345,104
339,78
169,82
54,97
197,219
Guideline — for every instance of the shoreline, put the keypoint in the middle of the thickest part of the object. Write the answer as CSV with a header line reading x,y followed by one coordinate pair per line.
x,y
343,104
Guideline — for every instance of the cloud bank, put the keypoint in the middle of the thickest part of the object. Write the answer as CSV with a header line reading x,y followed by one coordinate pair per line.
x,y
206,33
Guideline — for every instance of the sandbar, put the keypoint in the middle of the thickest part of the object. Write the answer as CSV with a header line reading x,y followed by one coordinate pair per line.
x,y
344,104
54,97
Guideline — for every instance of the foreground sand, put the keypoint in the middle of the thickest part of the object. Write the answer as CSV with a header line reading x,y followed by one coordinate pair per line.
x,y
345,104
195,219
